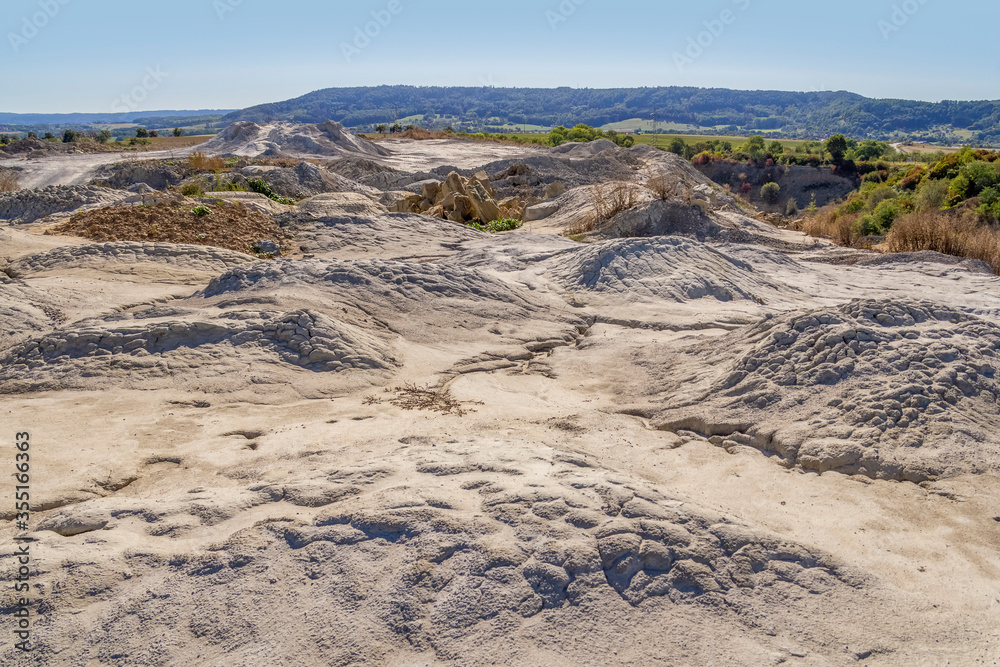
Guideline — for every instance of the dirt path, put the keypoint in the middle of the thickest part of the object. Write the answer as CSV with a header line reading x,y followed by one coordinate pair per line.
x,y
78,169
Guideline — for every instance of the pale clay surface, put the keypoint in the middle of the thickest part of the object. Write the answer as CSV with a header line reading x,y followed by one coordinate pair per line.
x,y
718,444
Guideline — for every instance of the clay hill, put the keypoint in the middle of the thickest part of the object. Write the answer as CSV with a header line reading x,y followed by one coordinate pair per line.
x,y
296,408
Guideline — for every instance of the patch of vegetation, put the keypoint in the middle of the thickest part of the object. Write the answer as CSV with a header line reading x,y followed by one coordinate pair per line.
x,y
192,190
952,207
201,211
260,186
201,162
412,397
770,193
504,225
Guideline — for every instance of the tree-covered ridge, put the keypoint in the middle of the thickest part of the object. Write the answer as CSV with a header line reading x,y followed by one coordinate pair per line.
x,y
815,114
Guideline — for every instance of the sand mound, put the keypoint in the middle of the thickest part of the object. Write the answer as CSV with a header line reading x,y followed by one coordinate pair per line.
x,y
289,139
229,225
355,230
124,257
166,351
383,278
25,206
123,175
671,269
306,180
454,556
895,390
578,150
333,205
25,311
420,302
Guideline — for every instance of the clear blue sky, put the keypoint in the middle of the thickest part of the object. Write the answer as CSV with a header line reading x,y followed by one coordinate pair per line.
x,y
90,53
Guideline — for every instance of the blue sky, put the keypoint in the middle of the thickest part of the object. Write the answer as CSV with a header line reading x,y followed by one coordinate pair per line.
x,y
97,55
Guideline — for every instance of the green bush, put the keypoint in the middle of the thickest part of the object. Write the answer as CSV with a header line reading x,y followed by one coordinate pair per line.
x,y
770,193
201,211
960,189
505,225
792,207
886,213
932,195
868,226
192,190
260,186
856,205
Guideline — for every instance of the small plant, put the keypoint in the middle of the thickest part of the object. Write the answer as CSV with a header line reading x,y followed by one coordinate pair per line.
x,y
201,162
610,200
260,186
201,211
505,225
791,208
476,226
770,193
662,186
192,190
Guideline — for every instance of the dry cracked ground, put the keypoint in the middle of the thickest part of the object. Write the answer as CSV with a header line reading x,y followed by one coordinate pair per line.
x,y
690,439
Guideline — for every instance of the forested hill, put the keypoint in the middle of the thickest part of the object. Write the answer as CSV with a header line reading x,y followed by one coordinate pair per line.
x,y
814,114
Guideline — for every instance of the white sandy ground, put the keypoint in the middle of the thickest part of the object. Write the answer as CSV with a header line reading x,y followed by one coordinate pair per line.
x,y
238,487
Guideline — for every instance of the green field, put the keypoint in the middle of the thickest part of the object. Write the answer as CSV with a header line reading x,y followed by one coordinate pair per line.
x,y
633,124
664,140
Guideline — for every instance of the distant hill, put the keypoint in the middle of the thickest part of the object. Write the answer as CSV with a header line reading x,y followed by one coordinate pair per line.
x,y
74,119
789,114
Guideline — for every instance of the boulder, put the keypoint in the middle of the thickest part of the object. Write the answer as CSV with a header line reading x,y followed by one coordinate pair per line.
x,y
554,190
432,191
462,206
540,211
485,207
265,247
484,178
453,184
436,211
409,204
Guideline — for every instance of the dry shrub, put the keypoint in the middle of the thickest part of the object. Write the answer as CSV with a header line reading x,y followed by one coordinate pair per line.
x,y
583,226
829,223
663,187
611,199
201,162
960,234
8,181
608,200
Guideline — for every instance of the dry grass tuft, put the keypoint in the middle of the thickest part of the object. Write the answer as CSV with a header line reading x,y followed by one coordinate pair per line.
x,y
412,397
608,200
9,181
201,162
611,199
827,222
663,187
961,234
